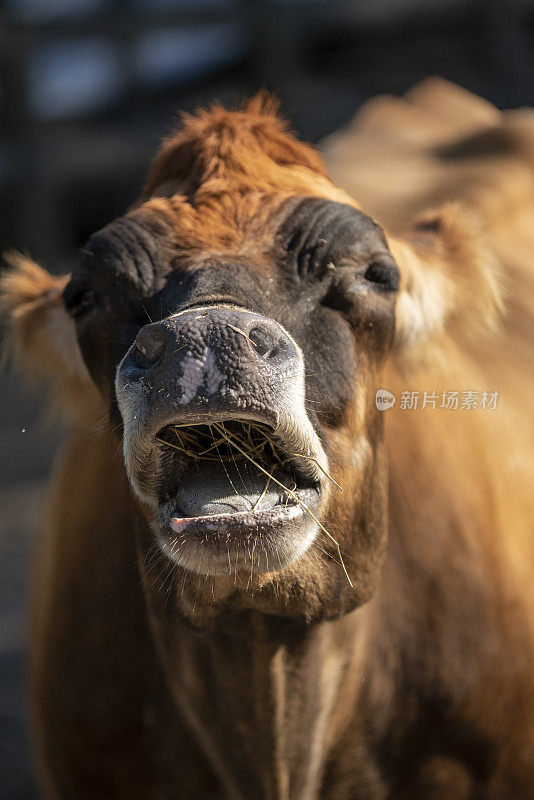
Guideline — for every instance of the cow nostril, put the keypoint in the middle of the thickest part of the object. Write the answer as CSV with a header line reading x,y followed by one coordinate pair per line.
x,y
264,341
151,346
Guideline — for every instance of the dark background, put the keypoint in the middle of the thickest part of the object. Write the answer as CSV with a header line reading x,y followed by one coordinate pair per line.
x,y
87,89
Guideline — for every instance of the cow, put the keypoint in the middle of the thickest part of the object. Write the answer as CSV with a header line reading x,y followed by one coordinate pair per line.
x,y
354,622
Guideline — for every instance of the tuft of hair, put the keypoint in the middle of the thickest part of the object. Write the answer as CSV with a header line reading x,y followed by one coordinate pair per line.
x,y
41,341
251,143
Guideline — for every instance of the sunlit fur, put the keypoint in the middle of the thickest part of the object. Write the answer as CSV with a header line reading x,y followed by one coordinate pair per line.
x,y
425,691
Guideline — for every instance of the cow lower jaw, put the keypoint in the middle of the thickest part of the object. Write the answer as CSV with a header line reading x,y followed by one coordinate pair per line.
x,y
233,513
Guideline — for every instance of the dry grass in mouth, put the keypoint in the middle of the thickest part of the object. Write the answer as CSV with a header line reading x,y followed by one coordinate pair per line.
x,y
203,442
220,441
198,442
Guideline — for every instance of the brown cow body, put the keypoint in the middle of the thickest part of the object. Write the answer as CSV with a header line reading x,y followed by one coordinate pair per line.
x,y
426,689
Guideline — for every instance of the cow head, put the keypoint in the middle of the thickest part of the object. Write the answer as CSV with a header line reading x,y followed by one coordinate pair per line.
x,y
246,306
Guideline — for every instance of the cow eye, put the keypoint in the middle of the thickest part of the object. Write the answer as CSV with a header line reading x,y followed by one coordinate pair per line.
x,y
385,273
80,303
312,259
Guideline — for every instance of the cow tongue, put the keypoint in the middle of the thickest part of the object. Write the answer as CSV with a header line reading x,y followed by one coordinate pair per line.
x,y
224,488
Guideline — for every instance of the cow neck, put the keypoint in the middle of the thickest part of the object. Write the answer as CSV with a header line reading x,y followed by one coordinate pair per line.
x,y
268,703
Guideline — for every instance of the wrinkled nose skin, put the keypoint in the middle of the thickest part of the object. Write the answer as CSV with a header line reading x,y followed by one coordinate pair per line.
x,y
213,360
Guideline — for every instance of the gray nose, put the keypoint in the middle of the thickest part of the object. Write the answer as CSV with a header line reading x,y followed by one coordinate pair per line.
x,y
212,357
218,326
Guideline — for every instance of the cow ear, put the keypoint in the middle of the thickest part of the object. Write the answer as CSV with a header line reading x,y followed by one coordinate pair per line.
x,y
450,281
41,339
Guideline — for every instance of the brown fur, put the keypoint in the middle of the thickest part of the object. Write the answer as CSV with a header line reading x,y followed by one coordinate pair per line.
x,y
31,298
217,146
426,690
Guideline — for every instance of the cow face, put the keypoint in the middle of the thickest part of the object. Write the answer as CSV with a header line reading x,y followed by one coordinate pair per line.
x,y
287,332
237,322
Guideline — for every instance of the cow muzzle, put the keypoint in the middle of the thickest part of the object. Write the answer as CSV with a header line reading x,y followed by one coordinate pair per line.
x,y
217,441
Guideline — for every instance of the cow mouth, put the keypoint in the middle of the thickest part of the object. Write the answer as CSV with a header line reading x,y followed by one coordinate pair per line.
x,y
234,496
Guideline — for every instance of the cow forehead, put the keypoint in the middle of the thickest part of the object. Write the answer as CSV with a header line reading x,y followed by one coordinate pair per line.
x,y
145,244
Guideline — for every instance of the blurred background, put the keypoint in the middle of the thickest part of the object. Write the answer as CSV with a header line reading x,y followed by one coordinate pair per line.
x,y
87,90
